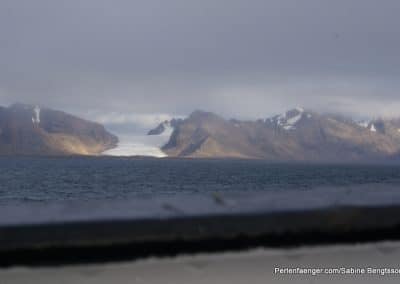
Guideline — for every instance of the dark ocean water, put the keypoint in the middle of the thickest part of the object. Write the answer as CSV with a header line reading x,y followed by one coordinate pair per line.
x,y
25,179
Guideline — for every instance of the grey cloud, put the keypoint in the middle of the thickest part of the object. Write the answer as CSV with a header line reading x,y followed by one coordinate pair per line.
x,y
238,58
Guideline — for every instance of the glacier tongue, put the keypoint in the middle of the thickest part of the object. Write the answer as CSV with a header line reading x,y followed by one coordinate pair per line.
x,y
141,145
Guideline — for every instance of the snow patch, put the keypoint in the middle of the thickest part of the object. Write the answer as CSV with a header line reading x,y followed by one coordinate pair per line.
x,y
367,124
295,119
36,115
372,128
363,123
289,127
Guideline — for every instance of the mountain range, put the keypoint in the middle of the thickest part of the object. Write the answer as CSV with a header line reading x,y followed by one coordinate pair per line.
x,y
32,130
296,135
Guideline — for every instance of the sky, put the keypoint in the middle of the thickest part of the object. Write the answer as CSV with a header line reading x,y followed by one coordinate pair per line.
x,y
127,62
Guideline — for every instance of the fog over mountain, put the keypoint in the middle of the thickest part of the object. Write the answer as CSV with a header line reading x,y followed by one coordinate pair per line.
x,y
129,64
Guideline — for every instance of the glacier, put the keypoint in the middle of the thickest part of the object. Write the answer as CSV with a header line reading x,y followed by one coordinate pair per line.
x,y
141,145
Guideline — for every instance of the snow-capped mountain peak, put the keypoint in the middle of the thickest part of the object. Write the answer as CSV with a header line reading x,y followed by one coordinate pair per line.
x,y
290,119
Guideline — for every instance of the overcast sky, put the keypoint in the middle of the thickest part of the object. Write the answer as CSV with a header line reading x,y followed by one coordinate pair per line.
x,y
122,60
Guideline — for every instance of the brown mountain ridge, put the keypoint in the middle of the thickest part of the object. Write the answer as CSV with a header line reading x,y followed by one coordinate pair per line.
x,y
297,135
32,130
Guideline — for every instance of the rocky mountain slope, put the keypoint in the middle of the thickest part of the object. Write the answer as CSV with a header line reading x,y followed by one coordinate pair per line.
x,y
168,125
297,135
31,130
